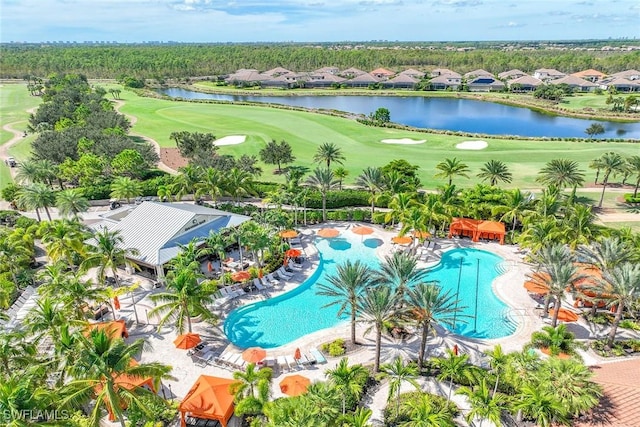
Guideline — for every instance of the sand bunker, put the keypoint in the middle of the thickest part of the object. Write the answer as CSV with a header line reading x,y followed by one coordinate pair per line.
x,y
472,145
231,140
405,141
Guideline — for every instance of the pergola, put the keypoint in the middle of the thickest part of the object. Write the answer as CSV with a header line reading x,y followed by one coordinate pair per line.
x,y
477,229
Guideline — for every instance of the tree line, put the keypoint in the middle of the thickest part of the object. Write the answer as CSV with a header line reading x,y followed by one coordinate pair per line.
x,y
190,60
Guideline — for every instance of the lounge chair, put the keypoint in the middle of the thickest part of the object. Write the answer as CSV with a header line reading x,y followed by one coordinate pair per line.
x,y
310,359
293,364
271,281
317,355
258,284
283,364
284,274
205,358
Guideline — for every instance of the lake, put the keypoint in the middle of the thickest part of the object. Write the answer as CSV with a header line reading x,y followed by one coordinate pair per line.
x,y
465,115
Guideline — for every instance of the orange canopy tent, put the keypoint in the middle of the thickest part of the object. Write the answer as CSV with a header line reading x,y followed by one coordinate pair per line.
x,y
490,230
328,233
294,385
402,240
209,398
254,354
115,328
536,288
564,315
187,341
129,382
288,234
241,276
463,227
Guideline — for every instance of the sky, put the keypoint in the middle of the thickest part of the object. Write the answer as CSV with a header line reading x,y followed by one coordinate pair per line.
x,y
133,21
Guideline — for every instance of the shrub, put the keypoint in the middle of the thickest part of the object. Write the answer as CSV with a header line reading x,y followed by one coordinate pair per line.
x,y
630,324
161,410
97,192
392,418
10,192
334,348
628,198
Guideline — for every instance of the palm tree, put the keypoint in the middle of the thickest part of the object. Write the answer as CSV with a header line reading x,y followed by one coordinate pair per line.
x,y
456,368
124,187
345,287
323,180
399,372
183,299
29,173
597,165
348,380
484,403
543,408
324,403
46,318
540,234
21,394
71,202
328,152
211,183
37,196
63,240
239,183
377,307
557,339
579,225
185,182
247,381
451,168
405,210
359,418
562,173
621,285
398,271
254,406
610,163
634,169
606,253
427,304
495,171
216,244
102,360
516,206
372,180
497,361
17,352
108,253
340,174
424,412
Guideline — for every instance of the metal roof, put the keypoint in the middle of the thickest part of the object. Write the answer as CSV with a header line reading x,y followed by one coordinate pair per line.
x,y
157,230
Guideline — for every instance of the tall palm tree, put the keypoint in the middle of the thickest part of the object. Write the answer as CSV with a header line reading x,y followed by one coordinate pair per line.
x,y
495,171
398,271
424,412
398,372
485,405
634,169
22,393
456,368
324,181
46,318
340,173
376,307
450,168
515,207
183,299
211,183
562,173
239,183
63,240
71,203
401,206
102,360
558,339
579,225
348,380
253,406
328,152
216,244
124,187
606,253
29,172
185,182
540,234
324,401
426,304
107,254
611,164
372,180
597,165
543,408
247,381
621,285
37,196
497,361
17,352
345,288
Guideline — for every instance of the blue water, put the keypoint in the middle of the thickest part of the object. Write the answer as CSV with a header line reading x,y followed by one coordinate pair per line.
x,y
465,115
287,317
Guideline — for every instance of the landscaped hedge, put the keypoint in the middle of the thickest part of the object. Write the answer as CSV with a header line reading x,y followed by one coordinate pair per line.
x,y
341,199
628,198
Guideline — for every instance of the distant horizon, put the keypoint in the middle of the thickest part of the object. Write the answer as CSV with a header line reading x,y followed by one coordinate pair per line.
x,y
308,21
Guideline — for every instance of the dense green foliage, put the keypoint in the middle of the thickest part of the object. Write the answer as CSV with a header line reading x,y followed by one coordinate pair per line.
x,y
188,60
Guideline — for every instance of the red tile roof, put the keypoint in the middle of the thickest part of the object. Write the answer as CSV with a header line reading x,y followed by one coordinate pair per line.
x,y
620,404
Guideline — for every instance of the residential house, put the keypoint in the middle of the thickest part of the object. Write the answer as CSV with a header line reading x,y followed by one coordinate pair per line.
x,y
327,70
247,77
442,72
352,72
485,84
477,73
524,84
419,75
382,73
448,81
284,81
511,74
575,83
628,74
620,84
322,80
590,74
363,80
401,81
278,71
546,74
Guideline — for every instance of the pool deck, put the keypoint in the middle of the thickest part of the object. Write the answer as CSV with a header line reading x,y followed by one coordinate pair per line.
x,y
508,286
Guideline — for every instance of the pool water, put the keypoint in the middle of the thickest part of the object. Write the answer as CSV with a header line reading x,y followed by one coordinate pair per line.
x,y
279,320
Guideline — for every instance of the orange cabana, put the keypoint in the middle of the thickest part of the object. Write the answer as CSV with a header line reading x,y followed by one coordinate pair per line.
x,y
564,315
116,328
209,398
463,227
492,230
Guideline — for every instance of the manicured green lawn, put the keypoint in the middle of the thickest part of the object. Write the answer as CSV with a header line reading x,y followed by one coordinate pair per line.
x,y
360,144
582,101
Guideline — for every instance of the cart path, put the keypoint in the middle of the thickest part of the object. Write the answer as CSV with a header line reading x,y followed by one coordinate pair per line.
x,y
133,119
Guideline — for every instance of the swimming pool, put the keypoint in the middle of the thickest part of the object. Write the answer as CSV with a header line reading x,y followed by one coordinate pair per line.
x,y
292,315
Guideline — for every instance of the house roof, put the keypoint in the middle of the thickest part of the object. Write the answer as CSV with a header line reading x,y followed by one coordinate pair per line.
x,y
248,76
512,73
486,80
573,81
403,78
445,79
620,81
383,71
413,73
352,71
477,73
444,71
618,407
325,77
365,78
526,80
276,71
589,73
627,74
330,70
156,230
550,72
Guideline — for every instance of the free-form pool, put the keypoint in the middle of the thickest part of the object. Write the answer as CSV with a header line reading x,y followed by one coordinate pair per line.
x,y
292,315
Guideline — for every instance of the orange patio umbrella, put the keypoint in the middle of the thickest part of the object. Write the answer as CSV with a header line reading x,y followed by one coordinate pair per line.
x,y
288,234
564,315
421,234
328,233
536,288
294,385
292,253
402,240
254,354
241,276
187,341
362,230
